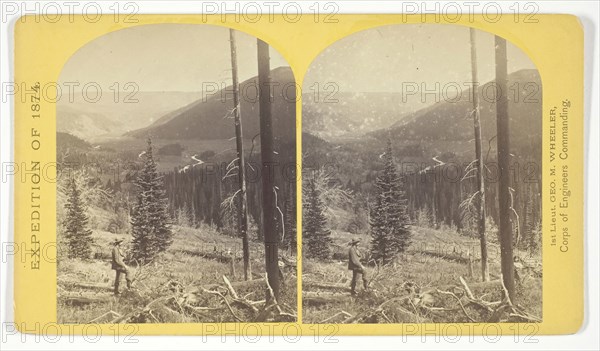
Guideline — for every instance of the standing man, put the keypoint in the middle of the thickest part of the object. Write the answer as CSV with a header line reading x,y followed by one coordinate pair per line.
x,y
119,266
355,266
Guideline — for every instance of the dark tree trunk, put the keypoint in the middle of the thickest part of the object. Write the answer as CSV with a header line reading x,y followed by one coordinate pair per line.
x,y
267,174
504,201
480,204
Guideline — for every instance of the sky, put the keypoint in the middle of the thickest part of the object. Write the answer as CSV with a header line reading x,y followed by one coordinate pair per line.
x,y
382,59
164,57
180,57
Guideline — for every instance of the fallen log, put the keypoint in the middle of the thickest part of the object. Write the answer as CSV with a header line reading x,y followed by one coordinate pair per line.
x,y
219,256
88,286
312,285
493,284
474,287
110,313
340,313
244,285
249,284
321,298
83,300
450,256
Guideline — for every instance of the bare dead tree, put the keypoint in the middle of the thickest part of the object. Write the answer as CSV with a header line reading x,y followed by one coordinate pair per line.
x,y
266,150
243,202
504,196
91,188
330,191
480,205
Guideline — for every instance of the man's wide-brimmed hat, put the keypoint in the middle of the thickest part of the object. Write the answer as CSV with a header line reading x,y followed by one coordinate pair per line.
x,y
354,241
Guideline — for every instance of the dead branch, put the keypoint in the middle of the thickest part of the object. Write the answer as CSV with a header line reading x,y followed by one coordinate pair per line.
x,y
520,314
214,292
274,301
497,313
143,309
335,315
204,308
459,302
281,215
506,296
230,288
236,299
481,286
229,202
467,290
467,174
379,310
230,173
518,225
395,299
489,147
488,306
232,163
111,312
414,309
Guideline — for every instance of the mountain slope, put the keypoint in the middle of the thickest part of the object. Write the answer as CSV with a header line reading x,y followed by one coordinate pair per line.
x,y
346,114
443,131
68,141
82,124
105,117
450,121
206,118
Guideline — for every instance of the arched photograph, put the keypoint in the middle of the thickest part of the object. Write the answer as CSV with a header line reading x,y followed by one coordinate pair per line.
x,y
421,154
176,189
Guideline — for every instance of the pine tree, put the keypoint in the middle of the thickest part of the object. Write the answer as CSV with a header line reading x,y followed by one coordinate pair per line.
x,y
290,223
389,218
79,236
191,215
535,238
530,226
381,250
141,232
150,224
183,216
315,234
